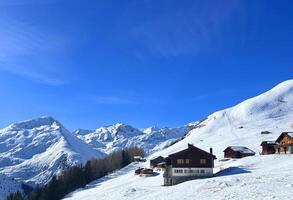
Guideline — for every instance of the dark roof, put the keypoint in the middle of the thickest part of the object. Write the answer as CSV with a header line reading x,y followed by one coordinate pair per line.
x,y
265,132
192,148
268,143
240,149
290,134
156,157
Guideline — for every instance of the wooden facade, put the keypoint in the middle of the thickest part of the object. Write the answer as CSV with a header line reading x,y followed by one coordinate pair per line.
x,y
238,152
285,143
268,147
188,164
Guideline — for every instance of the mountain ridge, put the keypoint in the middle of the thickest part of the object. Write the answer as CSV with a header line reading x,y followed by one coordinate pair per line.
x,y
32,151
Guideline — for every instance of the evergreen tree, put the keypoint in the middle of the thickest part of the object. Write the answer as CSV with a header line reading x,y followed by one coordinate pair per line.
x,y
125,158
88,175
78,176
15,196
52,189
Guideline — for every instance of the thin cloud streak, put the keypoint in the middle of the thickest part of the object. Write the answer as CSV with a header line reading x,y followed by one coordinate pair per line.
x,y
30,53
34,76
181,33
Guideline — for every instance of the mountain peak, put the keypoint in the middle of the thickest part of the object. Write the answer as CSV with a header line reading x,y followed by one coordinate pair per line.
x,y
34,123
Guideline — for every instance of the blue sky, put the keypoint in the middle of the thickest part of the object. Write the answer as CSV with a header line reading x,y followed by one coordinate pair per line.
x,y
151,62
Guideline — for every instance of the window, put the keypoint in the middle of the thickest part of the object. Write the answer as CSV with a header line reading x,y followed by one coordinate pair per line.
x,y
187,161
194,171
179,171
180,161
203,161
202,171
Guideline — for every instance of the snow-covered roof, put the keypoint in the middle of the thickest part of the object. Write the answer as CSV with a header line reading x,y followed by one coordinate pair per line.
x,y
153,158
241,149
269,142
137,157
290,134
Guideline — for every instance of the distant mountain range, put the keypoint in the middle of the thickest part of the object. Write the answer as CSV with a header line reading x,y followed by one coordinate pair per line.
x,y
32,151
118,136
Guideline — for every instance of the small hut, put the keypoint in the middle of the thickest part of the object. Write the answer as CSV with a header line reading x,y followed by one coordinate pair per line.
x,y
146,172
238,152
138,159
156,160
268,147
138,171
161,166
265,132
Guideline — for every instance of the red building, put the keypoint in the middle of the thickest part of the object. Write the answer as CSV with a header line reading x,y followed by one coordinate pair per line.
x,y
238,152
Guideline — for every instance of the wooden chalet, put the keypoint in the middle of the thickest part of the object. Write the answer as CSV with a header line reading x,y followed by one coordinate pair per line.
x,y
238,152
188,164
285,143
156,160
268,147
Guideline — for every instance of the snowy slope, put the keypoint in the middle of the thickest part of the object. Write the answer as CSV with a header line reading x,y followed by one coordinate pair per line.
x,y
253,178
258,177
118,136
32,151
242,124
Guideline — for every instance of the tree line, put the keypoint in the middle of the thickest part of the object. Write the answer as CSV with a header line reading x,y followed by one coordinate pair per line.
x,y
78,176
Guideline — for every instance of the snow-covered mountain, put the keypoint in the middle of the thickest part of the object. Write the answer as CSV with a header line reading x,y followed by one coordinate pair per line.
x,y
257,177
118,136
32,151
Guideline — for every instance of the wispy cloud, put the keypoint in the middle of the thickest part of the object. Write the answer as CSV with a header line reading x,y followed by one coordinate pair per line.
x,y
184,30
25,51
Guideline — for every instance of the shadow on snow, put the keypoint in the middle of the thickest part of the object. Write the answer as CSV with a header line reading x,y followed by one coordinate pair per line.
x,y
232,171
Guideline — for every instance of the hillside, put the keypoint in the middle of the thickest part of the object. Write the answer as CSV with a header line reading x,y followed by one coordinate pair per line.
x,y
33,151
242,124
258,177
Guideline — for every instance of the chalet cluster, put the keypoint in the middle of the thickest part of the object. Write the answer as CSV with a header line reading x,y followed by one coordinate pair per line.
x,y
192,163
283,145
